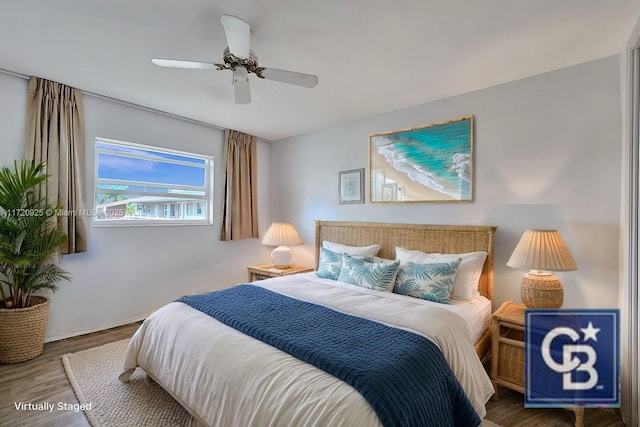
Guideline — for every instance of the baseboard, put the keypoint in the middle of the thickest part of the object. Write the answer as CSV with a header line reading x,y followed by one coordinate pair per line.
x,y
89,331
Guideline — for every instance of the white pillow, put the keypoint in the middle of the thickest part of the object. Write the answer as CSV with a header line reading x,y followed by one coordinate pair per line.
x,y
407,255
339,248
465,286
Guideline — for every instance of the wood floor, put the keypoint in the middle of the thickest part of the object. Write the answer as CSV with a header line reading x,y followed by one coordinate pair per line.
x,y
43,380
510,412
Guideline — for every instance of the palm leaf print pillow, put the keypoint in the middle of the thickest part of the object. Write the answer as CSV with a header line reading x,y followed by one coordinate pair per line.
x,y
433,281
379,276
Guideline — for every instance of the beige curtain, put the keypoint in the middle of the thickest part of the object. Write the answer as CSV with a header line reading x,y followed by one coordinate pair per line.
x,y
55,134
239,215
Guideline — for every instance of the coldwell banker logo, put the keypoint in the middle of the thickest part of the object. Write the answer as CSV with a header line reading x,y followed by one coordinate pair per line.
x,y
572,358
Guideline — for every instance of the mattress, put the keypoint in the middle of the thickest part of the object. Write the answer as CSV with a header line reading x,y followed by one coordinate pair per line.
x,y
475,313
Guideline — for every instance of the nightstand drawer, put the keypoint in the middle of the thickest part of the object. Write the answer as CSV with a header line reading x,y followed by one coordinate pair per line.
x,y
257,276
261,272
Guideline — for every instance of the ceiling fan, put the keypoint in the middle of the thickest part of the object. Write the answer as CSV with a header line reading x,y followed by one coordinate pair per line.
x,y
240,59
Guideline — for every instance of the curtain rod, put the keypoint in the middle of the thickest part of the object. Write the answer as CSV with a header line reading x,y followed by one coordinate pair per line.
x,y
131,104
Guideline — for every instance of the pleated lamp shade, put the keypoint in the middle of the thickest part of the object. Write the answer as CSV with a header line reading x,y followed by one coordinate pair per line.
x,y
281,234
542,251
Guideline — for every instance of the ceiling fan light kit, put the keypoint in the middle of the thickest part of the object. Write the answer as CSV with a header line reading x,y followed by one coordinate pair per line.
x,y
239,58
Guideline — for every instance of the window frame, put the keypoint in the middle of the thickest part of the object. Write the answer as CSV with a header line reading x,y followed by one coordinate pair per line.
x,y
208,199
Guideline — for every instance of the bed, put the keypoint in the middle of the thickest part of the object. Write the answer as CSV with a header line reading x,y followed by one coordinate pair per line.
x,y
224,377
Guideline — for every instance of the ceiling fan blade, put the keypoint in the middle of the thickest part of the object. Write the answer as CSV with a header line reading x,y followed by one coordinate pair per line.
x,y
241,87
238,33
291,77
175,63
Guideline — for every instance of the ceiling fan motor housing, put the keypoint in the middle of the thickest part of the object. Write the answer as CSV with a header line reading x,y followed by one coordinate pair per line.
x,y
231,62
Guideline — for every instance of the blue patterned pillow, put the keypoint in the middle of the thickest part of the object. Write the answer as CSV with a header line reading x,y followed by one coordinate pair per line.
x,y
432,281
329,264
379,276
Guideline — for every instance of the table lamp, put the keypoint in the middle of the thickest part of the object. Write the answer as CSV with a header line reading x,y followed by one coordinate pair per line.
x,y
542,251
281,234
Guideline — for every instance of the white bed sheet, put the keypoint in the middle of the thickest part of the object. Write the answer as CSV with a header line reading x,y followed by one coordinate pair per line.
x,y
269,387
476,313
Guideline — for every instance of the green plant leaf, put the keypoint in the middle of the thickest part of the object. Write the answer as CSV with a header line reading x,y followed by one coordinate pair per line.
x,y
29,236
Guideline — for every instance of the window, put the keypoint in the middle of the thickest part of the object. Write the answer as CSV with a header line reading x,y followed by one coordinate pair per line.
x,y
143,185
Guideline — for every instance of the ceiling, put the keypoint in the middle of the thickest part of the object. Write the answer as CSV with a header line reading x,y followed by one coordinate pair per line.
x,y
371,56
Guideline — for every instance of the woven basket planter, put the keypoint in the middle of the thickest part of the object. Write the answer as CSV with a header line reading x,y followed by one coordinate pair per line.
x,y
22,331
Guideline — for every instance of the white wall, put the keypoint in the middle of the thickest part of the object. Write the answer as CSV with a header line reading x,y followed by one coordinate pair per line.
x,y
547,155
13,119
130,271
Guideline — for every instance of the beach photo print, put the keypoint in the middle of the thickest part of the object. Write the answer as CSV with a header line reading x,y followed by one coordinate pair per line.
x,y
431,163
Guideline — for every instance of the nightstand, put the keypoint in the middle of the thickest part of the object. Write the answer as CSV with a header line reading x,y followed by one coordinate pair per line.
x,y
507,347
507,352
261,272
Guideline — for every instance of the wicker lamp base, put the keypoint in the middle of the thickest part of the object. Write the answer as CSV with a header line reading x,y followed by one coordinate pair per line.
x,y
541,291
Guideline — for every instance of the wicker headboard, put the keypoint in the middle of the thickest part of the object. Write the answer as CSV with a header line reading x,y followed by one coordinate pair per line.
x,y
422,237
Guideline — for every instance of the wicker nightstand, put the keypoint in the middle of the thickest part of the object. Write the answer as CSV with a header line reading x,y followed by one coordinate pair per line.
x,y
507,352
261,272
507,347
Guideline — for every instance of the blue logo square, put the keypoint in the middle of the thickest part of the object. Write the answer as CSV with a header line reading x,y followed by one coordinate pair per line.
x,y
572,358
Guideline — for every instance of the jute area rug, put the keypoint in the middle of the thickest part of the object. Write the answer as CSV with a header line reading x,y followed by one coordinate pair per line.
x,y
93,375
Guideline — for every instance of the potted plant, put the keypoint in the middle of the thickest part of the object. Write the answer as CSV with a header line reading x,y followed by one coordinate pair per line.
x,y
29,241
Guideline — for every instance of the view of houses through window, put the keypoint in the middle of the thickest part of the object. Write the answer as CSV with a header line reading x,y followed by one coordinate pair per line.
x,y
142,185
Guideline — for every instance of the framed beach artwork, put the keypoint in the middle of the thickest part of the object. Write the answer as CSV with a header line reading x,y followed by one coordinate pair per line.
x,y
351,186
431,163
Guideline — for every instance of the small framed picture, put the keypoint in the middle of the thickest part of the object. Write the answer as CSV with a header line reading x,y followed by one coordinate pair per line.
x,y
351,186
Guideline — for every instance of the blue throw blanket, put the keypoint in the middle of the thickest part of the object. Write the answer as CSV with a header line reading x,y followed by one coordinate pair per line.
x,y
402,375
